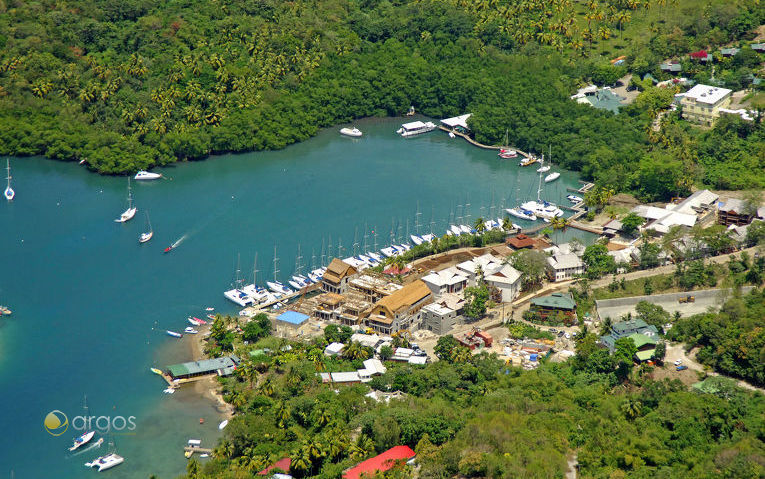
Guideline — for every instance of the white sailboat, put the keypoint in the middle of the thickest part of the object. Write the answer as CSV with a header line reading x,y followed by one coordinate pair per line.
x,y
87,436
108,461
542,209
9,193
130,212
146,236
554,175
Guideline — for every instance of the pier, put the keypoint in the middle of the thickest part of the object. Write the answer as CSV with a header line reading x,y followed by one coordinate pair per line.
x,y
200,450
481,145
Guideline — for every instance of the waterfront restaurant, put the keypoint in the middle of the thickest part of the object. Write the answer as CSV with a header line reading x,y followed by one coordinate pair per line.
x,y
224,366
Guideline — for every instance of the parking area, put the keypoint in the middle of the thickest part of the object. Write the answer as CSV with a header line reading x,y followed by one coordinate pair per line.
x,y
672,302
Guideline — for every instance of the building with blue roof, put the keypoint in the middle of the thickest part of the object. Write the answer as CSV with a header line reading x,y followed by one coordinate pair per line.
x,y
292,318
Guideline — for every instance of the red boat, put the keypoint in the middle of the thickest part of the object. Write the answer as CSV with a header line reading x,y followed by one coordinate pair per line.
x,y
168,249
200,321
211,317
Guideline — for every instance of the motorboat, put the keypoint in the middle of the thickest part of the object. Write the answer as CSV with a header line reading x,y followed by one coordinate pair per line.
x,y
528,161
146,175
168,249
223,424
193,321
129,213
190,330
211,317
82,440
9,193
156,371
353,132
5,311
146,236
174,334
523,213
209,308
507,154
106,462
552,177
199,320
415,128
574,198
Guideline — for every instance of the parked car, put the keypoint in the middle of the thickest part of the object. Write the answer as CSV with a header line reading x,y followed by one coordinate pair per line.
x,y
568,336
561,334
682,367
553,330
678,362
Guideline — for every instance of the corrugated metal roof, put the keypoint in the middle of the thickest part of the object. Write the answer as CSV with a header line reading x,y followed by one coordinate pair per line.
x,y
292,317
555,300
203,366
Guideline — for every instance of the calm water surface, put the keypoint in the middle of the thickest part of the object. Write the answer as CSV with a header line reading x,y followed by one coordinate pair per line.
x,y
90,305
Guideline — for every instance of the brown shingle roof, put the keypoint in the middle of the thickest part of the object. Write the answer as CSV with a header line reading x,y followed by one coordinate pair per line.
x,y
337,270
405,297
520,241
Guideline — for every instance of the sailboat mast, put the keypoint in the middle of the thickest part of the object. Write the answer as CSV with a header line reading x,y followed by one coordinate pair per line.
x,y
276,269
366,239
298,266
130,195
417,220
539,189
255,270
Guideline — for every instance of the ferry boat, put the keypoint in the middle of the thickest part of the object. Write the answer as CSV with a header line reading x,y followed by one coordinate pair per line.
x,y
82,440
552,177
106,462
415,128
129,213
146,175
528,161
574,198
174,334
354,132
507,154
9,193
522,213
190,330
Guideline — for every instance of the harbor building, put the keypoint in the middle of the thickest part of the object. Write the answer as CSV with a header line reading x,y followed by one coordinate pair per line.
x,y
702,103
400,310
336,277
192,370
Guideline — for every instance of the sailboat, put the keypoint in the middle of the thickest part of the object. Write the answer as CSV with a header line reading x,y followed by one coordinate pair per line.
x,y
108,461
130,212
505,152
236,294
543,209
9,193
146,236
275,285
87,436
520,211
554,175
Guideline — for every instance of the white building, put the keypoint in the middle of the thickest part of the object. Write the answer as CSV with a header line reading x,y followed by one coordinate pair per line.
x,y
507,280
449,280
702,103
564,266
334,349
438,318
488,264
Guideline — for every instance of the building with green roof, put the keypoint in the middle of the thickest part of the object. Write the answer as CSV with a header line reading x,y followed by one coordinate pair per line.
x,y
623,329
224,366
646,346
554,305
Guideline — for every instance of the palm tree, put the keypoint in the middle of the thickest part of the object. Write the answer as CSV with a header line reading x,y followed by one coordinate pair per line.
x,y
282,414
479,225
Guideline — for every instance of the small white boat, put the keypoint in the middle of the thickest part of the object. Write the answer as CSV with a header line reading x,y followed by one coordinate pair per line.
x,y
209,308
528,161
174,334
456,231
106,462
466,229
574,198
82,440
190,330
9,193
130,212
354,132
169,391
417,240
415,128
295,284
146,175
552,177
452,135
507,154
193,321
223,424
428,237
543,169
146,236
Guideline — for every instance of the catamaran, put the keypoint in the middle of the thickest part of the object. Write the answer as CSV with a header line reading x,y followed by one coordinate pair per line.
x,y
542,209
130,212
236,294
9,193
522,213
146,175
106,462
146,236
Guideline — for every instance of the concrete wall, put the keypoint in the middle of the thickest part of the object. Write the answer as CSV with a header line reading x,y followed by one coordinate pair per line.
x,y
615,308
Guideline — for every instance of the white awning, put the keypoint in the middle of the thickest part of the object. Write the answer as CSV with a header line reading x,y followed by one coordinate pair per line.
x,y
457,121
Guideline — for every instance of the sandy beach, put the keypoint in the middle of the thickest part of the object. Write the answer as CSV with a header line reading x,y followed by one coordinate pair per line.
x,y
208,387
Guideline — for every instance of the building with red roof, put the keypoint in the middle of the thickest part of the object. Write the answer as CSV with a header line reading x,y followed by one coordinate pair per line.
x,y
701,55
282,464
521,241
383,462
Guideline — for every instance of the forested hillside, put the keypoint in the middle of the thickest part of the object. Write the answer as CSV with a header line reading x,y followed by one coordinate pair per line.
x,y
133,84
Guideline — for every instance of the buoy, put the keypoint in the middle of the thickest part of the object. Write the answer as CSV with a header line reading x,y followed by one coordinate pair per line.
x,y
201,420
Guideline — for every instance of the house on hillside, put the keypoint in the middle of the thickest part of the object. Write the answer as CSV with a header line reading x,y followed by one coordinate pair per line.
x,y
622,329
733,212
702,103
553,305
380,463
400,310
507,281
700,56
439,318
561,267
336,277
449,280
671,67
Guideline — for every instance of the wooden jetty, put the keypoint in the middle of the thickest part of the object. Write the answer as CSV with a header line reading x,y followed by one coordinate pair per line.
x,y
200,450
481,145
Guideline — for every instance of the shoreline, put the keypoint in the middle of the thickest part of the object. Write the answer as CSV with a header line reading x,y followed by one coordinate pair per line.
x,y
208,387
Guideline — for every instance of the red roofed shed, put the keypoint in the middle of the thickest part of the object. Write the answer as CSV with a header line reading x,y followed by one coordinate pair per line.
x,y
698,54
521,241
383,462
283,464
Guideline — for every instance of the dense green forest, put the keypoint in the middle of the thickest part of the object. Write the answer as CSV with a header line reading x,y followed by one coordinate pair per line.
x,y
473,416
135,84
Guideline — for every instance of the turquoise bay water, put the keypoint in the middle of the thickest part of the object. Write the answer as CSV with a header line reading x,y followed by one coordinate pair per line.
x,y
90,305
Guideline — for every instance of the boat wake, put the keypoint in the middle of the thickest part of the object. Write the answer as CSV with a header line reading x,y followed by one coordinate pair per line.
x,y
179,241
95,445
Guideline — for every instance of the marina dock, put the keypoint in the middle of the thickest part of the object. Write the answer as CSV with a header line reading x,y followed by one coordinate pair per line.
x,y
481,145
